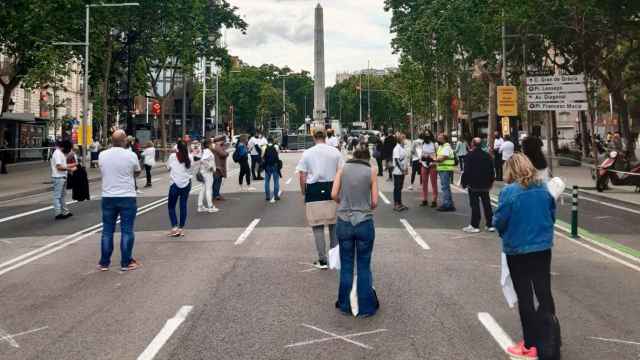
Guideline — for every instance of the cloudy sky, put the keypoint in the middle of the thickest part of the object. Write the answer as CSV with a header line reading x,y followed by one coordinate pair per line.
x,y
281,33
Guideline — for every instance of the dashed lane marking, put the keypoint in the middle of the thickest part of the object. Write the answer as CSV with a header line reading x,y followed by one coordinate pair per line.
x,y
165,333
499,335
384,198
414,234
247,232
333,336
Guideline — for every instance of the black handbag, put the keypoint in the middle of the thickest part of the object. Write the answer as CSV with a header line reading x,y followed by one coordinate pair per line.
x,y
320,191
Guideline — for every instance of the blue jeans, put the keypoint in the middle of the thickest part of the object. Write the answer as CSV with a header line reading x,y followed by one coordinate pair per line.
x,y
176,193
271,172
59,192
445,187
217,184
356,243
127,209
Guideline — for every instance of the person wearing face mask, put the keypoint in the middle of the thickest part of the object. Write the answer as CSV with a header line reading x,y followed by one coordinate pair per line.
x,y
445,167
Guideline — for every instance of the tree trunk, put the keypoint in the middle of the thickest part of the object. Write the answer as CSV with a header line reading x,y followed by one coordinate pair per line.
x,y
491,123
163,127
554,131
584,134
6,97
620,105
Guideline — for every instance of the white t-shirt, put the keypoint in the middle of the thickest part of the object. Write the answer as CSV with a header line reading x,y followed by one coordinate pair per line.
x,y
320,163
208,161
497,143
507,148
117,166
428,149
58,158
333,141
149,156
179,174
256,141
399,157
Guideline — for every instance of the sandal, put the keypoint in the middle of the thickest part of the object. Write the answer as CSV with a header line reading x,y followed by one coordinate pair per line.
x,y
174,233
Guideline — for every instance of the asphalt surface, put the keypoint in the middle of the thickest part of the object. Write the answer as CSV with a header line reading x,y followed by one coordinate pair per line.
x,y
260,299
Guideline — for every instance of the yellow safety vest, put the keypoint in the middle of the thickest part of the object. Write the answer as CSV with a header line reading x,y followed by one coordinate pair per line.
x,y
450,163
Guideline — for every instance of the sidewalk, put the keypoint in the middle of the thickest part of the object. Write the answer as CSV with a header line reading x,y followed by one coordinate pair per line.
x,y
34,178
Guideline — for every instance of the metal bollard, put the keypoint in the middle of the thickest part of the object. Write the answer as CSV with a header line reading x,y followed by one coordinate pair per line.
x,y
574,213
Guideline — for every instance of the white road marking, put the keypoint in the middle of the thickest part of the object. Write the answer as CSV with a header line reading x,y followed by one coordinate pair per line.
x,y
602,245
156,180
336,336
289,181
384,198
414,234
247,232
64,242
615,340
495,330
602,217
10,338
27,213
302,343
165,333
582,197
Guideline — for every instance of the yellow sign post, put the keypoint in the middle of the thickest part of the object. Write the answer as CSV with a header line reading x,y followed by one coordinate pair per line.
x,y
506,128
507,101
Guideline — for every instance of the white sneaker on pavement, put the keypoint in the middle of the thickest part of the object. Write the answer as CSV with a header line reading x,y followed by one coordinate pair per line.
x,y
213,209
471,230
201,209
410,187
272,201
491,229
250,188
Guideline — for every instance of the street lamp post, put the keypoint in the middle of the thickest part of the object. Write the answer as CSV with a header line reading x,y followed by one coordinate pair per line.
x,y
284,101
86,43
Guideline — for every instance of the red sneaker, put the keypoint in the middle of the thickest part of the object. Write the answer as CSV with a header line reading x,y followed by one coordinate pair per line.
x,y
519,351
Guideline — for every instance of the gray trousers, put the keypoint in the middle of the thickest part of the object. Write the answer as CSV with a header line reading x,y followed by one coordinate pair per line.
x,y
321,244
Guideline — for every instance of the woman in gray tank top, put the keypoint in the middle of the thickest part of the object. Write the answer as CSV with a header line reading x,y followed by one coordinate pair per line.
x,y
355,189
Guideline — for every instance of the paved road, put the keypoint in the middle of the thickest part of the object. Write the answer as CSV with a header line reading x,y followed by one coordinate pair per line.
x,y
259,298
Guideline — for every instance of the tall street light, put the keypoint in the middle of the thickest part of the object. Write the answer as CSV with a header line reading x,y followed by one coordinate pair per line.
x,y
85,105
284,103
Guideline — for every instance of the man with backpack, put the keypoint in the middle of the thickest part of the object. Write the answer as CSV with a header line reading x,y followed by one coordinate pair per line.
x,y
272,164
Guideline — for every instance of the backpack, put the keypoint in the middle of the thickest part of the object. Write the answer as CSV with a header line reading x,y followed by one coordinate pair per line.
x,y
236,155
270,156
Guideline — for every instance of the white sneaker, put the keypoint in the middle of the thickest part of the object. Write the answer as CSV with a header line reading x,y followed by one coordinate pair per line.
x,y
138,192
471,230
491,229
273,200
410,188
201,209
251,188
213,209
242,188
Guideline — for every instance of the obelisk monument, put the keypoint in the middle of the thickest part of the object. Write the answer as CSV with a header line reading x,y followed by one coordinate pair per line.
x,y
319,104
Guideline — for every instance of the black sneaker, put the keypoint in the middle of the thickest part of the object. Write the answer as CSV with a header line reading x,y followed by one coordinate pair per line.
x,y
68,215
446,209
277,198
424,204
321,264
434,204
60,217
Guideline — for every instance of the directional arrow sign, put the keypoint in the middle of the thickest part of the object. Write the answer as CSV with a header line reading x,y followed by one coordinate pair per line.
x,y
557,106
555,80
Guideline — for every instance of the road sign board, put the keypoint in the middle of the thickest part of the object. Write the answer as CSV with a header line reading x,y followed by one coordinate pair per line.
x,y
506,128
563,97
556,79
557,88
557,106
507,101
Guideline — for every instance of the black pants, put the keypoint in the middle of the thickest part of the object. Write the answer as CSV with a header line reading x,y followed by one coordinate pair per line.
x,y
531,275
461,162
380,168
415,169
147,169
398,181
255,166
245,171
475,197
497,164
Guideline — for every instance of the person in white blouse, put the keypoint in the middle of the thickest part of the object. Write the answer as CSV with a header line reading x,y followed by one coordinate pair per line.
x,y
149,160
179,165
400,170
206,169
497,155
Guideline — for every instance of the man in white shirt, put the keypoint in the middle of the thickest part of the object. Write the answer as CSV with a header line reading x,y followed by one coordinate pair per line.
x,y
317,169
256,143
399,172
119,168
497,155
59,168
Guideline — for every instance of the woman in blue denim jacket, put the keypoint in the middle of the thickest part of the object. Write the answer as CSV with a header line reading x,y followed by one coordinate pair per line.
x,y
524,219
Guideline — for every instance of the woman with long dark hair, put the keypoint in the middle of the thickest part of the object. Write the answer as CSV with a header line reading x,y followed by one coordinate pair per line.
x,y
428,170
532,147
179,165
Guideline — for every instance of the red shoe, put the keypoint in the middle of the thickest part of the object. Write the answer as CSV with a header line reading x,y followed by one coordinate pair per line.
x,y
519,351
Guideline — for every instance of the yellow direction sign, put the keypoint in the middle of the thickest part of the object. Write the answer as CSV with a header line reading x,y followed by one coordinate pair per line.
x,y
507,101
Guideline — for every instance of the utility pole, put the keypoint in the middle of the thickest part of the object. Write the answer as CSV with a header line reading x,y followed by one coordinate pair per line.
x,y
504,50
369,93
184,102
360,88
284,104
217,95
